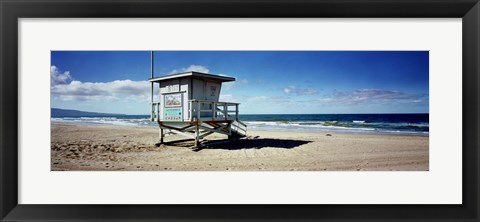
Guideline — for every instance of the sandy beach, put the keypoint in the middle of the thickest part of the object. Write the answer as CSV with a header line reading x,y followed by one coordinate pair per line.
x,y
122,148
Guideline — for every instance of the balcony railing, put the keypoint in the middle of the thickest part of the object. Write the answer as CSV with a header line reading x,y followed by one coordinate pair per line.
x,y
204,110
212,111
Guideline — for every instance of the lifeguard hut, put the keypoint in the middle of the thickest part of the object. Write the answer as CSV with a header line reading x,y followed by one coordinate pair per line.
x,y
189,106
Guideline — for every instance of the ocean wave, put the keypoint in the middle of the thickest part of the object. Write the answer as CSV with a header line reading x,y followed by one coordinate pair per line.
x,y
342,126
103,120
347,126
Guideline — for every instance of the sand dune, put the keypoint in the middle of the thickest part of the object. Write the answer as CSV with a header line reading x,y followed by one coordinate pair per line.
x,y
100,148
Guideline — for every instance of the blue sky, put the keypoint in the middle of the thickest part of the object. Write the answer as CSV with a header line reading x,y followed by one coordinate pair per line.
x,y
268,82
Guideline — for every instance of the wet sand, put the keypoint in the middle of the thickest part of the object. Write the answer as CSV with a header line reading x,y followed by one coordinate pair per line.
x,y
106,148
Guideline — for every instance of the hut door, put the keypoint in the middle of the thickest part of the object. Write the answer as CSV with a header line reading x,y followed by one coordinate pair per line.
x,y
198,89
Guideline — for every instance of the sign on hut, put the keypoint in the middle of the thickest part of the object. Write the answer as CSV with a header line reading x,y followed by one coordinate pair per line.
x,y
189,106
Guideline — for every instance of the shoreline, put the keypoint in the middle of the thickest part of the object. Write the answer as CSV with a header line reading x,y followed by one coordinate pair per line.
x,y
78,147
406,133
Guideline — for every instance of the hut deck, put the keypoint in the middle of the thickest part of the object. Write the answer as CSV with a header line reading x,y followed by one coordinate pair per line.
x,y
206,117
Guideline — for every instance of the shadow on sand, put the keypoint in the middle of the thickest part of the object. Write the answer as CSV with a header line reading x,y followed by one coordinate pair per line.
x,y
250,143
258,143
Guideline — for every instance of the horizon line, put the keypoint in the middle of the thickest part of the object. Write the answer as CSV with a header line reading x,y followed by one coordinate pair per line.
x,y
248,113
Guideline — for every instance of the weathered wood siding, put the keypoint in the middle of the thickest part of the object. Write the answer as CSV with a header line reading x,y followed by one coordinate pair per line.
x,y
212,91
204,89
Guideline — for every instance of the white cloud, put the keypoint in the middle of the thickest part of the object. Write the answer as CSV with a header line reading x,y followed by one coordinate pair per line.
x,y
344,98
65,88
230,85
226,98
368,96
57,77
97,91
255,99
299,91
194,68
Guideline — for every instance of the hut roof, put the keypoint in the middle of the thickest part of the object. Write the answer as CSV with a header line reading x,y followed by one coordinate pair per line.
x,y
193,74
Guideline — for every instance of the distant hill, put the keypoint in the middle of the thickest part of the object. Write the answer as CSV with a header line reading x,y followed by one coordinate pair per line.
x,y
77,113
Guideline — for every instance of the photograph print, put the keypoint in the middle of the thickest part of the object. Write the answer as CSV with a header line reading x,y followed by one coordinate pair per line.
x,y
239,110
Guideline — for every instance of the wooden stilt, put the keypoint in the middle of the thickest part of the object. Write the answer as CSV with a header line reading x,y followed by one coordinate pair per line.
x,y
197,136
161,135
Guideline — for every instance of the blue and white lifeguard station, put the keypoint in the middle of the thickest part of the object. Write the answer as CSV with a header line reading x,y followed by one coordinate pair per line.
x,y
189,106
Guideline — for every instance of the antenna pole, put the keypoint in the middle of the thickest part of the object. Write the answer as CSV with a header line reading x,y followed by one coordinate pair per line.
x,y
151,87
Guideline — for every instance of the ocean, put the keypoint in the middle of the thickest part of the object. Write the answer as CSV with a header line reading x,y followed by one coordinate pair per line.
x,y
401,124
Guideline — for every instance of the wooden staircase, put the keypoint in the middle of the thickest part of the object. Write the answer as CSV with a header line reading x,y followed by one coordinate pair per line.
x,y
237,128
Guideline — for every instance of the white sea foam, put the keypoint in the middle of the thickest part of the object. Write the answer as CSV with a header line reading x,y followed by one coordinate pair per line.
x,y
358,121
304,127
334,126
299,126
103,120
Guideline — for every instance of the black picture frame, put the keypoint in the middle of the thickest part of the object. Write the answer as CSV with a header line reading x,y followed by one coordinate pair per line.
x,y
11,11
